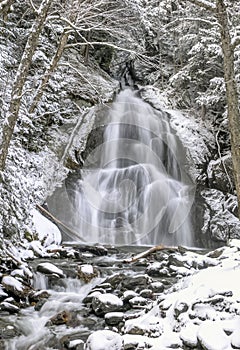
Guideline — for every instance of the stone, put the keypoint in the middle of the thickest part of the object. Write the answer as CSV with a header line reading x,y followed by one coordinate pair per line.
x,y
179,308
15,286
50,269
87,272
146,293
114,318
157,287
189,335
104,340
138,301
104,303
137,282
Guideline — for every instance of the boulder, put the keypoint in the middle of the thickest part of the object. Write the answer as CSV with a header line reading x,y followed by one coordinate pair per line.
x,y
104,340
104,303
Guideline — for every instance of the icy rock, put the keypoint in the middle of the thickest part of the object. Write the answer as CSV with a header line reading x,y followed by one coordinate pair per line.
x,y
76,344
212,337
114,318
104,340
189,335
104,303
235,339
87,272
49,268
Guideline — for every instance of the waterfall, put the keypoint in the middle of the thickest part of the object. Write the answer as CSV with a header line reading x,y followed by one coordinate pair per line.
x,y
133,187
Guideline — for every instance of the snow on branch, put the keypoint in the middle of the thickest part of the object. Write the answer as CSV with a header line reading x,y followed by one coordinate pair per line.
x,y
205,4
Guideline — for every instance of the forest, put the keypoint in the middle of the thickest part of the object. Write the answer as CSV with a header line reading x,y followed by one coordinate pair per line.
x,y
119,174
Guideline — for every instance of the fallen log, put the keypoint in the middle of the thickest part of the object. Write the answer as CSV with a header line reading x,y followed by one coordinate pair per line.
x,y
148,252
46,213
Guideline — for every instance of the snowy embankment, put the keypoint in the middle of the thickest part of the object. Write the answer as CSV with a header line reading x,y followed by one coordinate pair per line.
x,y
170,299
201,311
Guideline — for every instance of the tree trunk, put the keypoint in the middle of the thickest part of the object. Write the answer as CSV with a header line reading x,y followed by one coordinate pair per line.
x,y
20,79
50,70
232,93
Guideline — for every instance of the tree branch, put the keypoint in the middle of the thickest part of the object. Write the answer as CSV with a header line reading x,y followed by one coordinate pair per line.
x,y
205,4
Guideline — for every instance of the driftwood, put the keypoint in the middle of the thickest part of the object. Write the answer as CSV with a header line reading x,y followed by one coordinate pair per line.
x,y
46,213
148,252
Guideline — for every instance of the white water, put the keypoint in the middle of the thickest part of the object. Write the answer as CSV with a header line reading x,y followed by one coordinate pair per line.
x,y
33,323
138,193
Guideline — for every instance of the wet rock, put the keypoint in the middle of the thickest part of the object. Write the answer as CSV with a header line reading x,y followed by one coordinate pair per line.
x,y
146,293
36,296
137,282
128,294
104,340
76,344
50,269
115,280
89,298
158,269
114,318
8,330
87,272
212,337
62,317
9,307
104,303
96,250
157,287
179,308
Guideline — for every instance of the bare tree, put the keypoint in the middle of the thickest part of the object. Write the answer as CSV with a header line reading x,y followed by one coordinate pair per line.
x,y
220,11
19,81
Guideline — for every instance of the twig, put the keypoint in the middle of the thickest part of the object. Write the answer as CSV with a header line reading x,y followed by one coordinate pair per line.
x,y
148,252
57,221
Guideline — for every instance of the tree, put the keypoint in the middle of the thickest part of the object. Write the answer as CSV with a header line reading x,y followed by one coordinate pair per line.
x,y
221,13
19,81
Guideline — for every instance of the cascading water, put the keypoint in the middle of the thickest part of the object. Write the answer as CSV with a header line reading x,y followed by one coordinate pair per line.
x,y
133,189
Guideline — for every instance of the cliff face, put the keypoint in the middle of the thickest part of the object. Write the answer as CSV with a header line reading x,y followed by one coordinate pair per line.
x,y
47,144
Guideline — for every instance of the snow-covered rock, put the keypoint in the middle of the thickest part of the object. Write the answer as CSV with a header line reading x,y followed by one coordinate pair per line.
x,y
212,337
104,340
47,232
104,303
49,268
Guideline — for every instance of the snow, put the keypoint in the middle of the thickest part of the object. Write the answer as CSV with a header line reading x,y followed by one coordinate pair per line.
x,y
46,230
13,282
212,337
104,340
110,299
50,268
87,269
